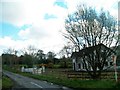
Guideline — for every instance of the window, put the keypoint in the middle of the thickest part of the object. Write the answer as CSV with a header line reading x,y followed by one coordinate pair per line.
x,y
83,66
111,63
79,66
106,63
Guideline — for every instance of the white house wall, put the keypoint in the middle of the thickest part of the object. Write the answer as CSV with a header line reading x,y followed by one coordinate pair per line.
x,y
78,61
75,65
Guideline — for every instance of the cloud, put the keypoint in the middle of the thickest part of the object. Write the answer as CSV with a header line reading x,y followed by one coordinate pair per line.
x,y
41,31
24,12
41,21
108,5
34,32
11,12
45,36
8,42
119,11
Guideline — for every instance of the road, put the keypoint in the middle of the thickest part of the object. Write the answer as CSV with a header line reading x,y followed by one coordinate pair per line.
x,y
30,83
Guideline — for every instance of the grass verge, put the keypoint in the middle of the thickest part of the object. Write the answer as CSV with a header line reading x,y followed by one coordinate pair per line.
x,y
72,83
6,82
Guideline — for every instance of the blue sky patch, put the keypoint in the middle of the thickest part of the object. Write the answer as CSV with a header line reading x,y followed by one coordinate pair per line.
x,y
11,30
49,16
25,26
61,3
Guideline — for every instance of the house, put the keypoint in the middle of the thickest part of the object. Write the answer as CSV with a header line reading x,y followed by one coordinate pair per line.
x,y
98,53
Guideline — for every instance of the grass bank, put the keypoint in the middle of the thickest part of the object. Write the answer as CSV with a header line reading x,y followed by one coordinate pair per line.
x,y
72,83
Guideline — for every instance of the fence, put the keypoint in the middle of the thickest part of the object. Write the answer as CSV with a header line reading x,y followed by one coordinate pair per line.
x,y
33,70
85,75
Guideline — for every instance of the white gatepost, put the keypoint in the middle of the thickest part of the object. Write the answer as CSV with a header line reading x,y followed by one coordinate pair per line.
x,y
43,68
22,69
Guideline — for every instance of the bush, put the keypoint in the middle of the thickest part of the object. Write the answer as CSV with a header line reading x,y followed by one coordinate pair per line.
x,y
50,65
56,66
63,64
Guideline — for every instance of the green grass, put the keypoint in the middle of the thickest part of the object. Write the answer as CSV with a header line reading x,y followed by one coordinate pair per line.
x,y
72,83
6,82
0,83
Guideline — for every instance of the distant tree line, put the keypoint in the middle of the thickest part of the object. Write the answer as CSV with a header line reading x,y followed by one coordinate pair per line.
x,y
32,56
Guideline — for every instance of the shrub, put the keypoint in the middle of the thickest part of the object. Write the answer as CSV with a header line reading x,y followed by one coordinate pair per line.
x,y
50,65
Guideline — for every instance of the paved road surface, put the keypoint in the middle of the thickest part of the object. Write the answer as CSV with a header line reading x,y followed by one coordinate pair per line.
x,y
30,83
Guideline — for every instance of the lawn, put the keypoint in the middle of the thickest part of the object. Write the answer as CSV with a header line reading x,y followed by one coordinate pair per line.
x,y
57,77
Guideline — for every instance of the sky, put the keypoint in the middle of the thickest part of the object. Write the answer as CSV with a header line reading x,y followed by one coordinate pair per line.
x,y
40,22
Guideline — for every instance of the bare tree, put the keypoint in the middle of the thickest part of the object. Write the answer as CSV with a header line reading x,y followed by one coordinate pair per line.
x,y
30,55
40,56
9,51
86,28
66,51
51,55
32,50
11,54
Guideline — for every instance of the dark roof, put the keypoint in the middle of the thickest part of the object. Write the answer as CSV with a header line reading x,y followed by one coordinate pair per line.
x,y
89,50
